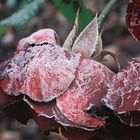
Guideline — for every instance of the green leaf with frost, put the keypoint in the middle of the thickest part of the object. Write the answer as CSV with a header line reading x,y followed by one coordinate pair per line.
x,y
24,15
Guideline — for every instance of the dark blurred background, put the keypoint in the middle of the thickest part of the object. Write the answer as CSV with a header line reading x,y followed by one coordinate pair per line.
x,y
20,18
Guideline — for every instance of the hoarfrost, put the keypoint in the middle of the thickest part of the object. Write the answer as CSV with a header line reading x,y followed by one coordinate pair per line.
x,y
124,90
41,72
88,87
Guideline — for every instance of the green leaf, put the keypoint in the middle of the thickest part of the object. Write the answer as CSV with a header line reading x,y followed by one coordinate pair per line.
x,y
23,3
66,9
2,30
69,11
24,15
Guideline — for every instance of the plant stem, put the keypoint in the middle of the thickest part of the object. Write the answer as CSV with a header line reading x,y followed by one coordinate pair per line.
x,y
105,12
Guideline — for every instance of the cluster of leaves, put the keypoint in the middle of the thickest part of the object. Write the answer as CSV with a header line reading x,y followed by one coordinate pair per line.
x,y
24,15
64,89
26,11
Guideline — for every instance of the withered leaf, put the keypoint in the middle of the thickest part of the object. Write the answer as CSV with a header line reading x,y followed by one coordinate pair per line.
x,y
87,40
133,18
87,89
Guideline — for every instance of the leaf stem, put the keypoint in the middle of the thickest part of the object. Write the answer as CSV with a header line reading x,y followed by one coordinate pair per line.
x,y
105,12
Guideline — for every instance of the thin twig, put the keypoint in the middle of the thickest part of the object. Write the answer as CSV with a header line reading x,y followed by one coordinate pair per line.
x,y
105,12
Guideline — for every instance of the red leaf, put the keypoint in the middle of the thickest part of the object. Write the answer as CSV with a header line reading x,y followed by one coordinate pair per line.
x,y
64,121
133,18
15,107
69,132
42,109
41,72
124,91
87,90
39,37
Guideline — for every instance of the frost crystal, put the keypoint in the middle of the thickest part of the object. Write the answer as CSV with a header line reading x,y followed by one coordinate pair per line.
x,y
124,90
88,88
41,72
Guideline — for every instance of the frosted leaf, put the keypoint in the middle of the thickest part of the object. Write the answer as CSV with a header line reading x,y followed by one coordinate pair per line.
x,y
98,47
64,121
11,107
70,39
133,18
39,37
43,114
42,109
87,89
24,15
124,90
41,72
87,40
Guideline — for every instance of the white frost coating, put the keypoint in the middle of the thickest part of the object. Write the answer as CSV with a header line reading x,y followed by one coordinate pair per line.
x,y
87,40
132,18
124,90
137,101
64,121
87,89
27,101
39,37
44,72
